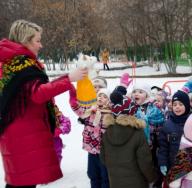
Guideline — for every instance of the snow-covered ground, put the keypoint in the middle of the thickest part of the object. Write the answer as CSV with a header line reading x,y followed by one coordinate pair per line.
x,y
142,70
74,161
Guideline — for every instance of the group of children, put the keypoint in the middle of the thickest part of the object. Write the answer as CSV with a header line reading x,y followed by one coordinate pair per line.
x,y
133,139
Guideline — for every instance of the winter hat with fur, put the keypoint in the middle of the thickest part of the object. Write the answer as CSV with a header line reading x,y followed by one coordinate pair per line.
x,y
144,87
100,81
188,128
121,104
184,98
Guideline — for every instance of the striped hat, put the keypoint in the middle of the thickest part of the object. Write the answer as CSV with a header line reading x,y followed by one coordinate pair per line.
x,y
121,104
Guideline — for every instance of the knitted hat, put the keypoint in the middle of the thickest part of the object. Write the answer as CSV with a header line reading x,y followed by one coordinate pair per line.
x,y
104,91
188,128
156,87
144,87
116,97
187,88
101,81
122,104
121,89
184,98
164,95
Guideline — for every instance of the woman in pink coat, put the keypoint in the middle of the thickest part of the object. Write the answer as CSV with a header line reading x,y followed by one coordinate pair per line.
x,y
27,117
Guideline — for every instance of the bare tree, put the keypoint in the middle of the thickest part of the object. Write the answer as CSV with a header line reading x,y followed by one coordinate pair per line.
x,y
138,27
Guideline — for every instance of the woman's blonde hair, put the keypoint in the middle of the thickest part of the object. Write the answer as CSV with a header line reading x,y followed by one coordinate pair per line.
x,y
23,31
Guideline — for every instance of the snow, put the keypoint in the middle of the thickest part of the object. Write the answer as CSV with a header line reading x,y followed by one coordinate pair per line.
x,y
140,70
74,162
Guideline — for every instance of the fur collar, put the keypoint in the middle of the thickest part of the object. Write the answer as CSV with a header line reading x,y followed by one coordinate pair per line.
x,y
123,120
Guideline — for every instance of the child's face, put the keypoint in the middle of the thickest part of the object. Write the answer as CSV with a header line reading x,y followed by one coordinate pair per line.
x,y
169,106
97,87
178,108
102,100
139,96
154,92
159,101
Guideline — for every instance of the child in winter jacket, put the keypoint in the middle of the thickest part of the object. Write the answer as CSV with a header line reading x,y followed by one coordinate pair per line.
x,y
98,83
170,134
161,100
63,126
92,134
180,175
187,87
153,117
147,111
124,150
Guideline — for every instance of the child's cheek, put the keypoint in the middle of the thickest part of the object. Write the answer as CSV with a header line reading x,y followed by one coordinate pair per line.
x,y
142,100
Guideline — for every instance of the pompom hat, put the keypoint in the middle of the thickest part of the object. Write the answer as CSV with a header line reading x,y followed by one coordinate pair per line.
x,y
121,104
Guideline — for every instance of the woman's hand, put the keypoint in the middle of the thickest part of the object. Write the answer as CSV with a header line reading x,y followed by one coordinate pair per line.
x,y
78,74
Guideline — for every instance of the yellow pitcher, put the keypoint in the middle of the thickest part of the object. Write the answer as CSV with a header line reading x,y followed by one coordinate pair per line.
x,y
86,94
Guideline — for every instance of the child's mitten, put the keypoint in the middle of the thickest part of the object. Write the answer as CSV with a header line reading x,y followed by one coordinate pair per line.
x,y
125,80
163,170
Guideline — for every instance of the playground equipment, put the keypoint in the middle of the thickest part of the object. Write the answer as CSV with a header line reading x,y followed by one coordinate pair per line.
x,y
167,87
133,64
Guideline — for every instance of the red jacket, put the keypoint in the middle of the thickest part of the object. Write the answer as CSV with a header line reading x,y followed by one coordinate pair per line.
x,y
27,148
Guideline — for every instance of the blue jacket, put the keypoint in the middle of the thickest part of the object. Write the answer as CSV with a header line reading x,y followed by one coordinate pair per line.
x,y
152,115
169,139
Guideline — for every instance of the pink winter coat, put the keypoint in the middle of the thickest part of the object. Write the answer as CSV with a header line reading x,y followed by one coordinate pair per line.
x,y
27,147
93,117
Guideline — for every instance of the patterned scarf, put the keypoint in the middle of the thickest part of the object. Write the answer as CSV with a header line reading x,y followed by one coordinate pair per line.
x,y
182,165
17,78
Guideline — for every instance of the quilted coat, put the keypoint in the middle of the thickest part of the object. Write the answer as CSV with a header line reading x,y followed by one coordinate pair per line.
x,y
26,146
